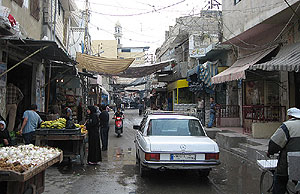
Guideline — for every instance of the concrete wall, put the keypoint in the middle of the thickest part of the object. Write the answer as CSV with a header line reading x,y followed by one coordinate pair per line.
x,y
264,130
248,13
107,48
31,27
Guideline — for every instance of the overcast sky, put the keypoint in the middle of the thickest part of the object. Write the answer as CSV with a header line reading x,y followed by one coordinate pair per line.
x,y
144,22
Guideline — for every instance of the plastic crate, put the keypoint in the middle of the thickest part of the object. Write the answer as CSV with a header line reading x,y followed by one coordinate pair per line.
x,y
64,131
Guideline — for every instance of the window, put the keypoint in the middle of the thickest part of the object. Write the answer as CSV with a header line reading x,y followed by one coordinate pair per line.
x,y
126,50
35,9
236,1
19,2
174,127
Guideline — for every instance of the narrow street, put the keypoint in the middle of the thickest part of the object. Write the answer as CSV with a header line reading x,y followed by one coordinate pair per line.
x,y
119,174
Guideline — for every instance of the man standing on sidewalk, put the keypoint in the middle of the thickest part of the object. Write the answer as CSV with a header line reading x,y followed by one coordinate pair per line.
x,y
13,97
30,124
104,126
212,113
285,139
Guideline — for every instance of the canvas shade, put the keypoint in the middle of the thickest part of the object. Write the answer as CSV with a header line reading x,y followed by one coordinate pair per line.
x,y
237,70
102,65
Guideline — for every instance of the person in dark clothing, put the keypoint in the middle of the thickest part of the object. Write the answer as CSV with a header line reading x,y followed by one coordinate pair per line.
x,y
4,135
119,113
285,139
104,127
79,112
212,114
92,126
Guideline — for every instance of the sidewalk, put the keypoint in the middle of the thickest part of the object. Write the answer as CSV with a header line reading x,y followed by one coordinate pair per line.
x,y
233,139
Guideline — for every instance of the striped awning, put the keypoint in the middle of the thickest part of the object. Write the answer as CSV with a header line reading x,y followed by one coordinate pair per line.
x,y
207,71
102,65
287,59
237,70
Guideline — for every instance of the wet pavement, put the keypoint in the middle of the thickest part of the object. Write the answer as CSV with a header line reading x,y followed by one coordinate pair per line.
x,y
117,173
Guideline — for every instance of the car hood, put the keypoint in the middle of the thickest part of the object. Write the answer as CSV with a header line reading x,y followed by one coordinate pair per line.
x,y
182,144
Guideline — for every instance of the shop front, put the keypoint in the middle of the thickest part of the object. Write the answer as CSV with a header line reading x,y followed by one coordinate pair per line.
x,y
182,98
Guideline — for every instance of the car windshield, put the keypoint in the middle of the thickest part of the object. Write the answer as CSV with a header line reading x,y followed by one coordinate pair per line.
x,y
175,127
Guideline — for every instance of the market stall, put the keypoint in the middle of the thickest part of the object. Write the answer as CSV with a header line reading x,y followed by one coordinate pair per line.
x,y
72,141
22,168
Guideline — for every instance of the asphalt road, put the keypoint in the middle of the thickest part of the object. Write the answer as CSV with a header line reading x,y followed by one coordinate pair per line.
x,y
118,173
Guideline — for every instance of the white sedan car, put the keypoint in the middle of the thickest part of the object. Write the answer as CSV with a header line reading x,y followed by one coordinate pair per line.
x,y
170,141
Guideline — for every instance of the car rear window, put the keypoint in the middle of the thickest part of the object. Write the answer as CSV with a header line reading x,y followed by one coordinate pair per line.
x,y
175,127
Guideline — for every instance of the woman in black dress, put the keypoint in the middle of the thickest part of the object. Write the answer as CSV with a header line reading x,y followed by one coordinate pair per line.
x,y
92,125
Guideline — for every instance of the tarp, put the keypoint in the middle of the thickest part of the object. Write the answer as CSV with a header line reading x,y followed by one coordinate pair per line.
x,y
102,65
287,59
237,70
136,72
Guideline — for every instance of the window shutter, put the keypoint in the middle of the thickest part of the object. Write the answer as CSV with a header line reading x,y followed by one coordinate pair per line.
x,y
35,9
19,2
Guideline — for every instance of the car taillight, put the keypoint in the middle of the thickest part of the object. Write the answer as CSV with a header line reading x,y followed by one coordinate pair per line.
x,y
152,157
212,156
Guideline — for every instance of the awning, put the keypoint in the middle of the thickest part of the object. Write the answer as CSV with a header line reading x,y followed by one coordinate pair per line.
x,y
207,71
52,53
103,65
138,81
136,72
237,70
287,59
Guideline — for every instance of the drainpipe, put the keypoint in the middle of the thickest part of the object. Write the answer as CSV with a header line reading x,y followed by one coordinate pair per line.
x,y
51,15
55,10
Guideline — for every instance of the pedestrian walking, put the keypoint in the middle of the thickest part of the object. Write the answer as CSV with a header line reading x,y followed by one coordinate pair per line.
x,y
285,139
212,113
4,135
30,124
92,126
104,127
13,97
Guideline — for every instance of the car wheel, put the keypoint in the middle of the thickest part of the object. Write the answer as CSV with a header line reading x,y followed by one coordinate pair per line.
x,y
204,173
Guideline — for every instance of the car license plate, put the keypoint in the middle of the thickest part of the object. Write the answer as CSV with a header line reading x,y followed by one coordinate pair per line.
x,y
183,157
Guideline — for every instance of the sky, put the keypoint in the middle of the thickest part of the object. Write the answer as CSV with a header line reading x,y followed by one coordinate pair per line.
x,y
143,22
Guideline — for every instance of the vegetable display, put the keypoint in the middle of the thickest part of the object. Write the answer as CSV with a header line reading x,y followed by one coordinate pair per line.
x,y
24,157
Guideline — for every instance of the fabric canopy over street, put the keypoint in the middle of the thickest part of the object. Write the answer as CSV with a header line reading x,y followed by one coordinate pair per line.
x,y
287,59
102,65
136,72
237,70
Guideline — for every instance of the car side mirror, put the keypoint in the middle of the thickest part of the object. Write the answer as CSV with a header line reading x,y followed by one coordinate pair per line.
x,y
137,127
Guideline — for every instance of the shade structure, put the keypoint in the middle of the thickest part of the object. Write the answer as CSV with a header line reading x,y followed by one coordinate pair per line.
x,y
141,71
287,59
103,65
237,70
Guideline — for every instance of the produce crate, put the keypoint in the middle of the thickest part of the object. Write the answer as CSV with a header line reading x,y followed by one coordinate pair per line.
x,y
64,131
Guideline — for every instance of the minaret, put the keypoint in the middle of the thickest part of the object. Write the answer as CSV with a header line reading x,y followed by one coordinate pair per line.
x,y
118,33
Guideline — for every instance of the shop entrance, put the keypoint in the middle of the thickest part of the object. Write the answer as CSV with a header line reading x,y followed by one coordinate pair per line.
x,y
21,76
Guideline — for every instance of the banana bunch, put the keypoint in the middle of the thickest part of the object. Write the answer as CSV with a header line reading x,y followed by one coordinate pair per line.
x,y
56,124
83,130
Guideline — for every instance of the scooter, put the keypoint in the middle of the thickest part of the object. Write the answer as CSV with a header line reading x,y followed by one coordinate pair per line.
x,y
118,126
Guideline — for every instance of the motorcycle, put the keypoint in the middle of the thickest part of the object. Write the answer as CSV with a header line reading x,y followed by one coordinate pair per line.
x,y
118,126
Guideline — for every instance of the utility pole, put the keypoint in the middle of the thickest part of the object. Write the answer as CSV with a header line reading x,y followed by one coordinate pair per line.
x,y
86,34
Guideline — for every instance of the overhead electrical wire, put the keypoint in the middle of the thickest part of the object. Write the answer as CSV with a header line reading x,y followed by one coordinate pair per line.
x,y
141,13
